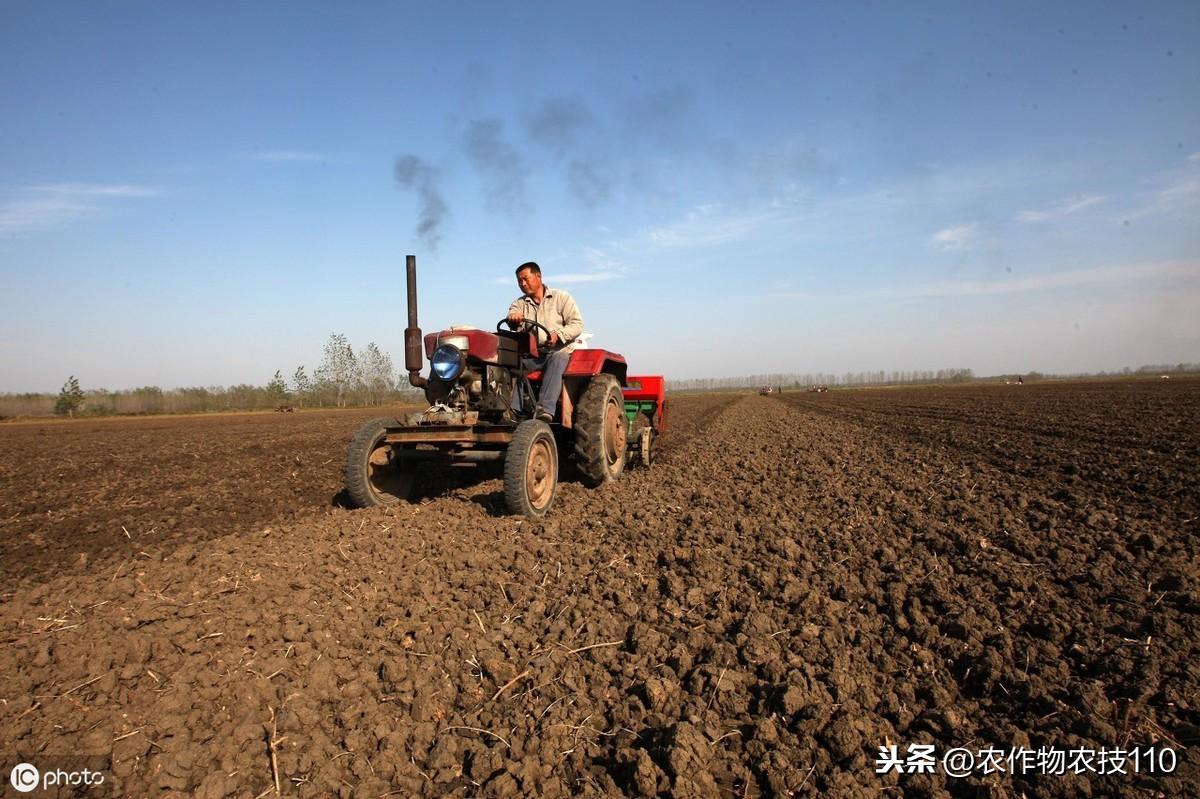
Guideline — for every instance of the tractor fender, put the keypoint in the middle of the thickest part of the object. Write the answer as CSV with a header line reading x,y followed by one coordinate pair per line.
x,y
589,363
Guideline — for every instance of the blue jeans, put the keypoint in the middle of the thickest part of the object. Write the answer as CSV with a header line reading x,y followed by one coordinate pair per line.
x,y
552,365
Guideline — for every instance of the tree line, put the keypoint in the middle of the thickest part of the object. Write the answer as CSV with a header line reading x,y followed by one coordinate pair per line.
x,y
800,382
344,378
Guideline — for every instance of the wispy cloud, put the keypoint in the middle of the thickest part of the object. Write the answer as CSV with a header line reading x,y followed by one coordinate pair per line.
x,y
1179,196
959,237
1178,192
587,277
708,225
45,206
38,213
1127,273
1061,209
1182,191
601,260
93,190
283,156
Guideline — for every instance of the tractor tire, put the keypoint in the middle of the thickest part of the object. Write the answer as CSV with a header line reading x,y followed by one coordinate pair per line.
x,y
600,431
374,476
531,470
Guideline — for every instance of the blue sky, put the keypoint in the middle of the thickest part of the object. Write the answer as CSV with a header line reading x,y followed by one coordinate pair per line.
x,y
200,194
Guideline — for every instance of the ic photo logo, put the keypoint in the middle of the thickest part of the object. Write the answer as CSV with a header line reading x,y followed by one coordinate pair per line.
x,y
70,772
24,777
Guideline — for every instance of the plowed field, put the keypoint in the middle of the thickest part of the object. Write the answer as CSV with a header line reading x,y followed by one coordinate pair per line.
x,y
798,581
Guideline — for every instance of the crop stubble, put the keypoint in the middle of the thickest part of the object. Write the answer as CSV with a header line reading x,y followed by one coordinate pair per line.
x,y
798,581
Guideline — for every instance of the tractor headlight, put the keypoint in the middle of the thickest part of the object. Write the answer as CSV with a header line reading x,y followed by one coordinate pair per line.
x,y
447,362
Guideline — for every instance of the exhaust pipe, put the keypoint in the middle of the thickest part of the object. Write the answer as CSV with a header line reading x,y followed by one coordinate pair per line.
x,y
413,345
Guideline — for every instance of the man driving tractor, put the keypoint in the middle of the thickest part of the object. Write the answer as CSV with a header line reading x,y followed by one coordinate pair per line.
x,y
474,374
556,311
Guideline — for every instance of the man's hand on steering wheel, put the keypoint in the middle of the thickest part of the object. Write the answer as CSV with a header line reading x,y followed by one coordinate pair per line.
x,y
517,321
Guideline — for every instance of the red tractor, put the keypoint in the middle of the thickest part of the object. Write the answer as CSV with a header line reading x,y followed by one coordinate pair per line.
x,y
604,417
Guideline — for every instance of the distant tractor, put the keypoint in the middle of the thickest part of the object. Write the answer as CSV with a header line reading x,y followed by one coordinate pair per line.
x,y
605,416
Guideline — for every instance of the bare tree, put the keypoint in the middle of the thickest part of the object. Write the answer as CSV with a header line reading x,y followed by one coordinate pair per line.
x,y
378,376
339,370
302,385
277,391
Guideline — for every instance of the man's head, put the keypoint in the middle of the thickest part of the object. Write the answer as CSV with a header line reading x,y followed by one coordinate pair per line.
x,y
529,278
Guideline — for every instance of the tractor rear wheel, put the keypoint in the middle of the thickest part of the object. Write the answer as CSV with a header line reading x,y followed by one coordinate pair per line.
x,y
375,475
600,431
531,470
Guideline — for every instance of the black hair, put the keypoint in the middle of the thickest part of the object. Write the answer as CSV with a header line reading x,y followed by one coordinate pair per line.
x,y
537,270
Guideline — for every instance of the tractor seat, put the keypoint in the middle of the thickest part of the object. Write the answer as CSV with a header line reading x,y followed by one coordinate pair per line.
x,y
535,377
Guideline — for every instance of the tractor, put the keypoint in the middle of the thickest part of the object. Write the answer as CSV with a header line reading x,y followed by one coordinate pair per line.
x,y
605,419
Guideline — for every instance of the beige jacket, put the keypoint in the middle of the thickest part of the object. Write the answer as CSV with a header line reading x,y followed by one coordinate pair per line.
x,y
557,312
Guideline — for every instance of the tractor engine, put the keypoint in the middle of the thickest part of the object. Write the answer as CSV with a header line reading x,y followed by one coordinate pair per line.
x,y
466,372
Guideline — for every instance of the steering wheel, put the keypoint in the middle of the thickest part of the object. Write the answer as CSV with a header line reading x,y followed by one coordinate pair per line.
x,y
530,325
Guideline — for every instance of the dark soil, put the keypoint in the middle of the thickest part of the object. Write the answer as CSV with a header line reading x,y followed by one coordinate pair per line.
x,y
121,486
798,581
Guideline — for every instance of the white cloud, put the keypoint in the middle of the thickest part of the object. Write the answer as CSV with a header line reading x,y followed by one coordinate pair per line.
x,y
959,237
45,206
1063,208
1194,157
1078,277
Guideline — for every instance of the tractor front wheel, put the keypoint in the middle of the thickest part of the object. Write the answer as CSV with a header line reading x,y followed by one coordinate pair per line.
x,y
375,475
531,470
600,431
